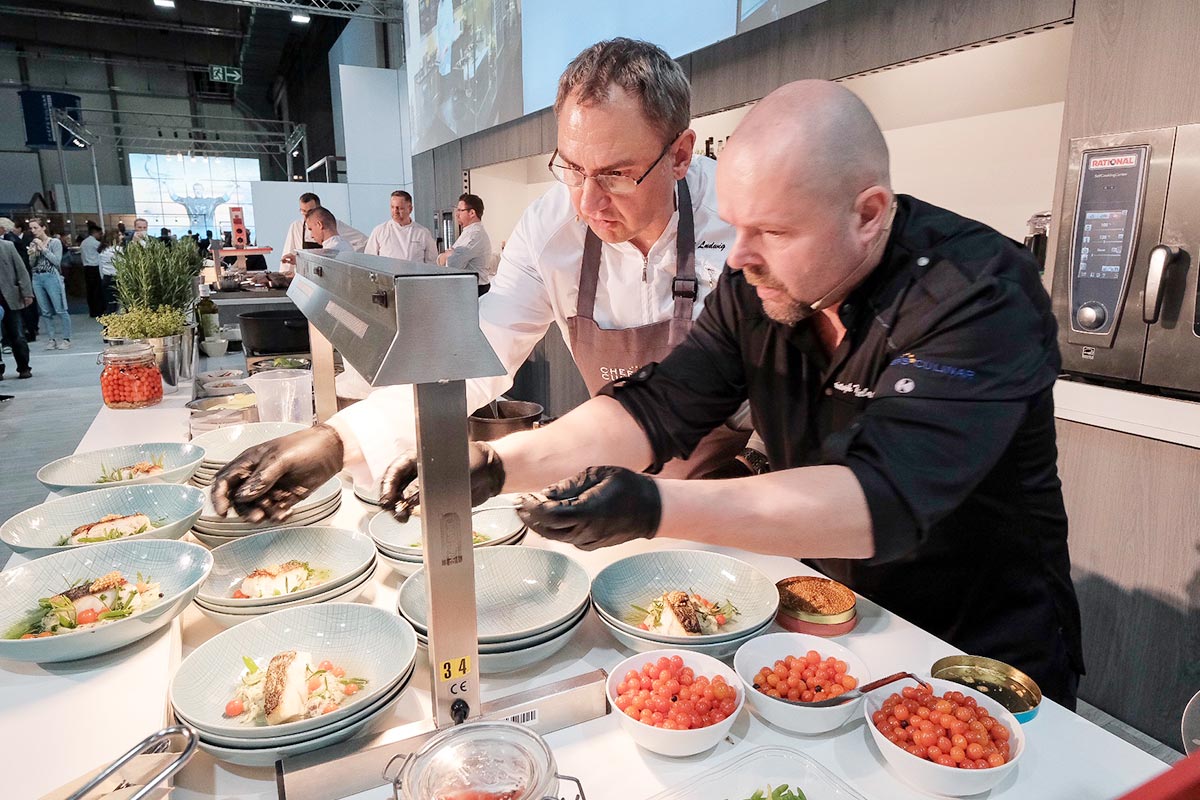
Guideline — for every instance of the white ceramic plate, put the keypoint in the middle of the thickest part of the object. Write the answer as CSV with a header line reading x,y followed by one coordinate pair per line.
x,y
369,642
36,532
178,567
721,650
80,472
342,594
323,494
225,444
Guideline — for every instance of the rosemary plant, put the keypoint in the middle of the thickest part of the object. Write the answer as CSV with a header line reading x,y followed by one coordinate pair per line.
x,y
156,275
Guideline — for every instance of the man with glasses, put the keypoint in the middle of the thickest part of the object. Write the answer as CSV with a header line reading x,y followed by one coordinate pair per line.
x,y
299,237
472,250
620,256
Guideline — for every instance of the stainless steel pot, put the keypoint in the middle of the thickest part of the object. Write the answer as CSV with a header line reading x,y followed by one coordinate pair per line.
x,y
514,415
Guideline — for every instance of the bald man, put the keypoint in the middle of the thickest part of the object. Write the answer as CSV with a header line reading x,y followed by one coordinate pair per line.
x,y
898,360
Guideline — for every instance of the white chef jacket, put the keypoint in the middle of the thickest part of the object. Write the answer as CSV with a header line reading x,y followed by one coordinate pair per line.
x,y
473,251
337,244
538,285
411,242
297,235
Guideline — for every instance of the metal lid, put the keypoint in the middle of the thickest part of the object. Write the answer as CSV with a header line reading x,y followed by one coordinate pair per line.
x,y
128,353
1007,685
500,760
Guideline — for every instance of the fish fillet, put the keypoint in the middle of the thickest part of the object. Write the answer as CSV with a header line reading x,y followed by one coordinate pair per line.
x,y
125,525
285,687
274,580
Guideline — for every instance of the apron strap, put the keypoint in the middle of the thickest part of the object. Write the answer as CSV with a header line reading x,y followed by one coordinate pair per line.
x,y
683,288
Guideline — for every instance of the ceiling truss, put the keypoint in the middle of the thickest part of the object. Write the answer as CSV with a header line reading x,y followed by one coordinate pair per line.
x,y
375,10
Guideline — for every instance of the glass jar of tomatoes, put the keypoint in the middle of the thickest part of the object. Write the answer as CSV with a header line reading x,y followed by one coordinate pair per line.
x,y
130,378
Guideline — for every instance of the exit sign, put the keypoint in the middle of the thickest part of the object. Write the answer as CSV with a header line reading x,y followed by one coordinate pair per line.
x,y
221,74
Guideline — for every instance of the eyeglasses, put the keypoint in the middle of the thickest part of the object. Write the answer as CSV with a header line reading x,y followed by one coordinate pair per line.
x,y
611,183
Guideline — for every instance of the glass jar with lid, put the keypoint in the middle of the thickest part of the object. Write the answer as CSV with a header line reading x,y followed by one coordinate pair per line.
x,y
130,378
481,761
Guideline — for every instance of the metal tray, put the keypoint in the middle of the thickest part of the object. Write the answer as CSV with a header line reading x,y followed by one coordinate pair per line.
x,y
743,774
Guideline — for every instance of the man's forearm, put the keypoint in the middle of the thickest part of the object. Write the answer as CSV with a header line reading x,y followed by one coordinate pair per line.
x,y
808,512
599,432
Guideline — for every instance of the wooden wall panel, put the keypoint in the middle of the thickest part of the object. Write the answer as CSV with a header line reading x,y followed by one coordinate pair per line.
x,y
1133,505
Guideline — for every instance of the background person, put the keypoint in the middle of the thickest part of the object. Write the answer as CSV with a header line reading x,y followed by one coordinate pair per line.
x,y
45,262
472,249
31,315
297,234
323,229
16,293
109,247
89,254
402,237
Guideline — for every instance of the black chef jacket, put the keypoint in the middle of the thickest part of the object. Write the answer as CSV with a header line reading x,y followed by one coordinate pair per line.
x,y
939,401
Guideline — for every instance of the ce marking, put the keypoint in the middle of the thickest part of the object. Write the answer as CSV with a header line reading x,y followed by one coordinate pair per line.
x,y
459,688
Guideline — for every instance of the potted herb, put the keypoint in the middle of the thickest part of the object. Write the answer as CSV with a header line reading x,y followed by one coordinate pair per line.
x,y
154,279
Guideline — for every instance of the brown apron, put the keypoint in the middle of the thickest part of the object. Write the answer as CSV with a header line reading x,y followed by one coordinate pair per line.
x,y
605,355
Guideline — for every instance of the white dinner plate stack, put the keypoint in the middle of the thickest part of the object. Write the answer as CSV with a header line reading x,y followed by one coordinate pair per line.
x,y
399,544
343,562
529,603
225,444
214,530
363,641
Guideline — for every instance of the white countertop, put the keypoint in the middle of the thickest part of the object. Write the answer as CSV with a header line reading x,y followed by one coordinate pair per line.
x,y
61,720
1164,418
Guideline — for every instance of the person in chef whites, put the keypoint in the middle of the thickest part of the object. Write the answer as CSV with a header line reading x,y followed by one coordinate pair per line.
x,y
323,229
621,256
298,234
401,236
472,250
900,362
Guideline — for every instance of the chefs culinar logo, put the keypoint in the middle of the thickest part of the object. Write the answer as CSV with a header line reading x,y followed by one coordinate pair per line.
x,y
911,360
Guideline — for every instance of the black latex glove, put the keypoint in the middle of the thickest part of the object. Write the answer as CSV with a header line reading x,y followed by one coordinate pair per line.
x,y
487,479
270,478
600,506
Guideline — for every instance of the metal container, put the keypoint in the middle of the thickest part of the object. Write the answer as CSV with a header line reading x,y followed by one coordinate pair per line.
x,y
495,760
187,354
515,415
1005,684
274,331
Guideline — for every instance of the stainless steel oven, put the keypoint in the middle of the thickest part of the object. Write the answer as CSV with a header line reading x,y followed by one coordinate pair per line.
x,y
1125,288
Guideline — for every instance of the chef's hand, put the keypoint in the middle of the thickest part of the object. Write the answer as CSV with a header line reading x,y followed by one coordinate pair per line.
x,y
487,479
600,506
270,478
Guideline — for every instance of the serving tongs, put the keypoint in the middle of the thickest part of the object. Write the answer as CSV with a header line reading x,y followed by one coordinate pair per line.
x,y
854,694
159,742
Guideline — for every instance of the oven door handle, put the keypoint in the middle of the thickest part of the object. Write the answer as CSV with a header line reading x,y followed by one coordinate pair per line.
x,y
1161,257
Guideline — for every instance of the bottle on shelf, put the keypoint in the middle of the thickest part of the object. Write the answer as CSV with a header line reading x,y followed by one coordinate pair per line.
x,y
708,147
206,310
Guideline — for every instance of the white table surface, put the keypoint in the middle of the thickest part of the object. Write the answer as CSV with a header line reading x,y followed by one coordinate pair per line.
x,y
58,721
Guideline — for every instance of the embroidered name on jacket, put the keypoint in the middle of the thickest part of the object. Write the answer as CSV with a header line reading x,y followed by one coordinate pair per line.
x,y
710,246
854,389
911,360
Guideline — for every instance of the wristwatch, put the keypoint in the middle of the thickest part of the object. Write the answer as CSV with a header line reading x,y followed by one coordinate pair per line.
x,y
755,461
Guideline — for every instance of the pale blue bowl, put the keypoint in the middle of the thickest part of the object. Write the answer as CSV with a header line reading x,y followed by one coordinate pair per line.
x,y
637,580
179,567
369,642
79,473
36,531
720,650
346,554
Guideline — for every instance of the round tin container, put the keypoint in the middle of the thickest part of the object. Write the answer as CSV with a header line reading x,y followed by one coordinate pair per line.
x,y
1007,685
791,623
816,606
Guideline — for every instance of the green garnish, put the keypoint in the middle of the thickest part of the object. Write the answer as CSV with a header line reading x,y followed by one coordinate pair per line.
x,y
251,667
118,474
781,792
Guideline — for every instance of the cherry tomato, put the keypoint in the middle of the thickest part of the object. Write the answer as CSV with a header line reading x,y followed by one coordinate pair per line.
x,y
87,616
235,708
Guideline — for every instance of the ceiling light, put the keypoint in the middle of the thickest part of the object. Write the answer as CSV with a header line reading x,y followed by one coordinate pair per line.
x,y
165,3
303,19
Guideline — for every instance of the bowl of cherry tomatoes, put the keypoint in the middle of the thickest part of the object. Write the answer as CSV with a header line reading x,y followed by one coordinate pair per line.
x,y
675,702
951,740
782,671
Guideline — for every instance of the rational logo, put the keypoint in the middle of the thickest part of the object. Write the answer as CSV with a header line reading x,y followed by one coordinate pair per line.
x,y
1111,162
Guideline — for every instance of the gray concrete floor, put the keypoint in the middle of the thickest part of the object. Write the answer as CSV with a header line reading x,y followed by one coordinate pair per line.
x,y
50,413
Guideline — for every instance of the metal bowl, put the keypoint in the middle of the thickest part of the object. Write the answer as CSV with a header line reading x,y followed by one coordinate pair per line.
x,y
1007,685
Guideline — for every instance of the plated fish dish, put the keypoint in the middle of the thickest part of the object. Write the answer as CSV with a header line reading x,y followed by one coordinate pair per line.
x,y
88,604
141,469
109,527
682,614
280,579
290,688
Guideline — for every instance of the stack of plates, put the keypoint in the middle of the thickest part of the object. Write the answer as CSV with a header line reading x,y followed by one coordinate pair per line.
x,y
366,642
494,523
529,603
343,560
225,444
622,587
83,472
214,530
